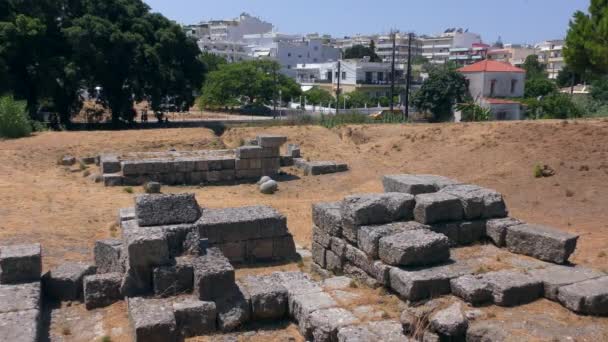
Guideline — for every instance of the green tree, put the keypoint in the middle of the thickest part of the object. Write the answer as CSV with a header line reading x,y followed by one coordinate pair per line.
x,y
567,77
586,50
536,87
14,122
360,51
317,96
553,106
359,99
534,68
473,112
599,90
440,92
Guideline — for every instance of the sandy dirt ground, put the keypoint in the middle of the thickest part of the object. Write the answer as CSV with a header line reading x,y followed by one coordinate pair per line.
x,y
65,211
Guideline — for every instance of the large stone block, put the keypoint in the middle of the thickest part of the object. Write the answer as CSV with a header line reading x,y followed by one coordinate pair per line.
x,y
369,236
293,151
195,318
112,179
249,152
213,275
511,288
328,217
333,262
298,284
321,237
358,258
173,280
101,290
126,214
462,233
385,331
20,326
316,168
233,309
369,209
496,229
107,256
64,282
437,207
20,297
478,202
418,247
158,210
450,321
338,246
555,277
473,289
284,248
268,299
542,242
318,254
302,305
241,224
323,325
588,297
424,283
415,184
267,140
152,320
109,163
20,263
360,275
487,331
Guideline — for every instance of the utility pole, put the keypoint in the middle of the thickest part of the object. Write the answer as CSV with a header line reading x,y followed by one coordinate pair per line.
x,y
274,92
409,76
338,88
394,37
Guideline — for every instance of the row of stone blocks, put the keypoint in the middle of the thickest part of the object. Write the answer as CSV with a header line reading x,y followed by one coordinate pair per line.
x,y
246,162
372,237
315,168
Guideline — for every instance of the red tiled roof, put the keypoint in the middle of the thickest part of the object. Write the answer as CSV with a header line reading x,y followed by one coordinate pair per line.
x,y
499,101
490,66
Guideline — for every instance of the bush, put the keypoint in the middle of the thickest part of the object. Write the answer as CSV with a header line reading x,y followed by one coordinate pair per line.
x,y
554,106
14,122
331,121
539,87
473,112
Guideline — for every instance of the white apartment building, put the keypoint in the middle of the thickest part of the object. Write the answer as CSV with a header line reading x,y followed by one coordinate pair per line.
x,y
348,42
550,53
514,54
437,48
384,47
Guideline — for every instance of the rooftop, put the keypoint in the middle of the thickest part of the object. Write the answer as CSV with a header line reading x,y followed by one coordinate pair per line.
x,y
490,66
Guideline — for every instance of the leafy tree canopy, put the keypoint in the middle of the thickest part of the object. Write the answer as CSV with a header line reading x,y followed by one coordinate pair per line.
x,y
443,89
360,51
317,96
536,87
534,68
586,49
599,90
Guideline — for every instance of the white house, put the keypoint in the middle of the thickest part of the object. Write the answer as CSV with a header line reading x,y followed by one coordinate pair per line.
x,y
437,48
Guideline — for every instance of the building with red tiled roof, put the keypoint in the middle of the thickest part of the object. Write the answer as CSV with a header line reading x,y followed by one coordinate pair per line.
x,y
491,83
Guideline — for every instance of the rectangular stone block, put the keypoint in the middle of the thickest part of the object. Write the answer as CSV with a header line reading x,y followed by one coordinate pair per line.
x,y
321,237
107,256
424,283
248,152
359,259
249,174
333,262
360,275
286,161
109,164
259,250
20,263
323,325
415,184
369,209
20,326
173,280
271,163
233,309
267,140
386,331
268,299
437,207
478,202
20,297
241,224
496,229
316,168
271,152
338,246
152,320
318,254
112,179
284,248
126,214
304,304
297,284
511,288
556,277
247,164
293,151
213,275
473,289
542,242
228,164
369,236
227,175
101,290
164,209
195,318
588,297
418,247
328,217
462,233
64,283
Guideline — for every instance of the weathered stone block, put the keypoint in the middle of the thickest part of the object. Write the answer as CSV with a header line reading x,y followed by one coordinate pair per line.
x,y
323,325
478,202
542,242
286,161
107,256
172,280
473,289
358,258
511,288
152,320
450,321
360,275
259,250
369,236
338,246
268,299
327,216
126,214
333,262
496,229
20,326
65,281
416,247
233,309
112,179
20,297
415,184
213,275
241,224
419,284
152,187
321,237
157,210
284,248
555,277
249,152
102,290
486,331
271,163
109,164
248,164
461,233
437,207
318,254
267,140
20,263
385,331
361,210
588,297
195,318
296,284
235,252
302,305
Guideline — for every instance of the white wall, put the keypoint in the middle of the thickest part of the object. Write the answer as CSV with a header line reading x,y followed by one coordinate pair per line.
x,y
480,84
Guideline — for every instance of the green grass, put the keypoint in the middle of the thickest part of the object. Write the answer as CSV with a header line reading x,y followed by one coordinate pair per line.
x,y
128,190
538,171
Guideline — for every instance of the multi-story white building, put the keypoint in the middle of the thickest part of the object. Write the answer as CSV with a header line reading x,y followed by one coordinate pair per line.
x,y
514,54
348,42
550,53
384,47
437,48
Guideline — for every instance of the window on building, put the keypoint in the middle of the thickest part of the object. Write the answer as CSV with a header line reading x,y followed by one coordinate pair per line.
x,y
513,86
289,54
288,66
343,75
492,87
336,75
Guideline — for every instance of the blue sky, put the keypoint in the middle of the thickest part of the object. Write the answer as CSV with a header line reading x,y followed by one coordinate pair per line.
x,y
517,21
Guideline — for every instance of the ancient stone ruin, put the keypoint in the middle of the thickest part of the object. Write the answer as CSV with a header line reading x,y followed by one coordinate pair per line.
x,y
262,157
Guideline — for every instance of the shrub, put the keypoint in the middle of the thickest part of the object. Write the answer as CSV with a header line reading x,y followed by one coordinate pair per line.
x,y
14,122
538,171
473,112
128,190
